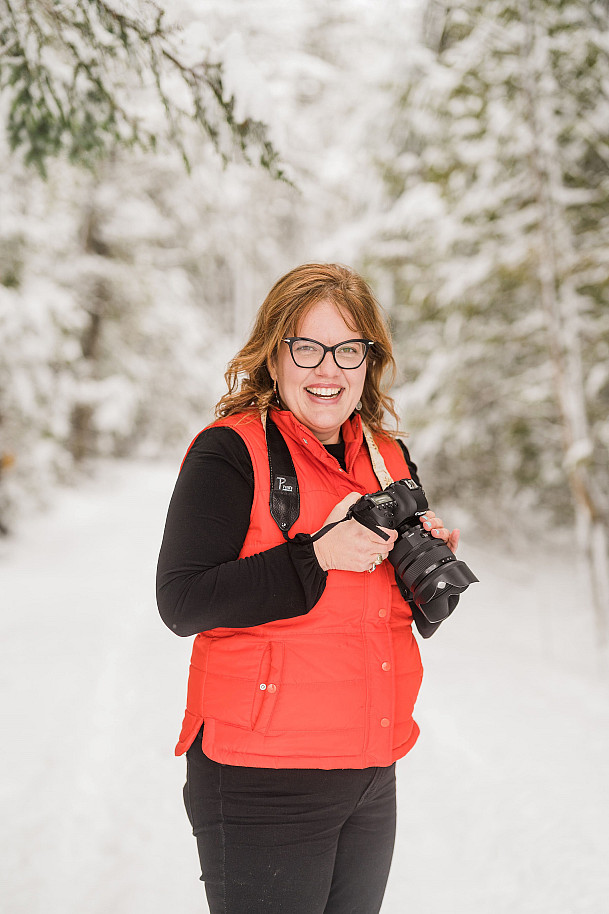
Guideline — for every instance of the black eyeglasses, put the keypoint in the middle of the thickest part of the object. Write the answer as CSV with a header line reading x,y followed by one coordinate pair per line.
x,y
309,353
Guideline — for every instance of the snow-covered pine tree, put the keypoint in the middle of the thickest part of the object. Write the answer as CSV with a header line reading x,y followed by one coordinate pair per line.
x,y
122,290
495,242
117,308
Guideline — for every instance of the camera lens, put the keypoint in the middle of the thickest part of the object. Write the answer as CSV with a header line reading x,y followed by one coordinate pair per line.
x,y
426,566
431,572
429,569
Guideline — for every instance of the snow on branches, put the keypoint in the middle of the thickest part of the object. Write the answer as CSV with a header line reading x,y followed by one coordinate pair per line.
x,y
84,77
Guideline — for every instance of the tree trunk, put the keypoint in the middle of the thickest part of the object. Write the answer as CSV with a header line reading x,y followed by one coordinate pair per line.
x,y
82,430
560,305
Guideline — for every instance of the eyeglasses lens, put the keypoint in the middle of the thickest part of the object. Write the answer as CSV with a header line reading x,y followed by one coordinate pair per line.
x,y
308,354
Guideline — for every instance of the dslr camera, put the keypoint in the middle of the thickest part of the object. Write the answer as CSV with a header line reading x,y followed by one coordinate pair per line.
x,y
424,564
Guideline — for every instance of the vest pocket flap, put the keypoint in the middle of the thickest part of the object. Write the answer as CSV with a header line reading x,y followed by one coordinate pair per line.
x,y
237,667
267,686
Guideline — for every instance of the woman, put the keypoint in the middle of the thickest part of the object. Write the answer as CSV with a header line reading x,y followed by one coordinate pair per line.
x,y
304,670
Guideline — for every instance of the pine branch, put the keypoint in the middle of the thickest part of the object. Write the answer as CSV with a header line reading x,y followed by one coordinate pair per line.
x,y
65,66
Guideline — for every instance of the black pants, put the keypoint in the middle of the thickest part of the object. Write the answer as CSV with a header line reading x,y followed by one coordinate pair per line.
x,y
291,840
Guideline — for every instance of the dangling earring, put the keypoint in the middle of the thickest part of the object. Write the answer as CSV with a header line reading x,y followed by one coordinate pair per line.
x,y
358,405
275,394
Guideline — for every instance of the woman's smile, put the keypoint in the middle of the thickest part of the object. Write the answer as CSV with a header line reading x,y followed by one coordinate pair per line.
x,y
326,393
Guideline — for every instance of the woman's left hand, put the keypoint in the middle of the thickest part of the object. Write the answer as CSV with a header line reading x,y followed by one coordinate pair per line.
x,y
435,526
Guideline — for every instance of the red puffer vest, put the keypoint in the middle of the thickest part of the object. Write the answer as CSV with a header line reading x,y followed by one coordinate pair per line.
x,y
331,689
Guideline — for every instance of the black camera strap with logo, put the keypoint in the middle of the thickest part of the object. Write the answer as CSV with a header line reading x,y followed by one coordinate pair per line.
x,y
284,501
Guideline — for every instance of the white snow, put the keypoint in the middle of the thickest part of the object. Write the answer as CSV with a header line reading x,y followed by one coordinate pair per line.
x,y
503,804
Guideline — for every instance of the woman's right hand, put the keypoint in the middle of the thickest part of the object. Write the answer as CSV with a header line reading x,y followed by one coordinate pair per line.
x,y
350,546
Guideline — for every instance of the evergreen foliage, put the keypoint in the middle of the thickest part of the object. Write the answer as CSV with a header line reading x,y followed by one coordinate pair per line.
x,y
82,78
122,296
464,242
496,238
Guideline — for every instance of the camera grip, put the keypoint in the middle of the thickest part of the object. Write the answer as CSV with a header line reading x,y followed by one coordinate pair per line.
x,y
361,512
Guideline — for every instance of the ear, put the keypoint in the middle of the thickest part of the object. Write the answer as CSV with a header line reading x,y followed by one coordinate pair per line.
x,y
271,364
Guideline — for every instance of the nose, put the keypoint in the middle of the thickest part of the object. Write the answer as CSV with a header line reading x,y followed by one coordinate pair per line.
x,y
328,365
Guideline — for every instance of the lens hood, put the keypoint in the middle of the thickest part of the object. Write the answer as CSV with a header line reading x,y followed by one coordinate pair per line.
x,y
439,592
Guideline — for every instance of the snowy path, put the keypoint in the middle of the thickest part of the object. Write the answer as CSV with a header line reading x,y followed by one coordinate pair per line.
x,y
504,803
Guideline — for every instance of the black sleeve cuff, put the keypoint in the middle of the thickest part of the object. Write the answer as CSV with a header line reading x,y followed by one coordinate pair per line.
x,y
312,577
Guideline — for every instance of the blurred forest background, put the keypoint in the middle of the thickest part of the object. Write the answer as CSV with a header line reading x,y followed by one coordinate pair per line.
x,y
160,171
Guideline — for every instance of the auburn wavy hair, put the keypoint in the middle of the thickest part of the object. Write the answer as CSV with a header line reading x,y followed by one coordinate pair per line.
x,y
250,386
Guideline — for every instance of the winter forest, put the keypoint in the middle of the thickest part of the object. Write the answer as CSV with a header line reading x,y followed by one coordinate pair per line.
x,y
160,169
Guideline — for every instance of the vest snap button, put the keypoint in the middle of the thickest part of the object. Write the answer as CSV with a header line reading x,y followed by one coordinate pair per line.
x,y
382,613
385,722
262,686
271,687
386,666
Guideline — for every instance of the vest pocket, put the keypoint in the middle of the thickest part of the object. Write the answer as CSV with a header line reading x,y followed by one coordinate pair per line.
x,y
267,687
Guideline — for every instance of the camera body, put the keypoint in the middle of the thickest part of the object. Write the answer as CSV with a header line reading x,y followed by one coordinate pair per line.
x,y
427,567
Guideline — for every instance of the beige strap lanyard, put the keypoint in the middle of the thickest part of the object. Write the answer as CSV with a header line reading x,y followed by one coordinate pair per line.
x,y
378,464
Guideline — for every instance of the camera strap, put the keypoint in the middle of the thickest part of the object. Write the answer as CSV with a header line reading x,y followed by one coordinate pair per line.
x,y
284,501
376,458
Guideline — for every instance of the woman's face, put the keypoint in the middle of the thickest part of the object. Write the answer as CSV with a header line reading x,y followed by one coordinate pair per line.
x,y
321,398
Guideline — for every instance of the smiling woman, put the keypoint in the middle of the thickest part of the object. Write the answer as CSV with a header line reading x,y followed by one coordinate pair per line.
x,y
305,670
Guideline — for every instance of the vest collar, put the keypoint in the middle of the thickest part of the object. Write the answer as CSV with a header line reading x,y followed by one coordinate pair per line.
x,y
351,431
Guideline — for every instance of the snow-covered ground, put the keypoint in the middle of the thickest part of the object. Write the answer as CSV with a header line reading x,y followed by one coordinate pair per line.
x,y
504,802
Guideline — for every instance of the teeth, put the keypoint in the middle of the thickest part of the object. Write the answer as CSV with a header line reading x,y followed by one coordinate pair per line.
x,y
324,391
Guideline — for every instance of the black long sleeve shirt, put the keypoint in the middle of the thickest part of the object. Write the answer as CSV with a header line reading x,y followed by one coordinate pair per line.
x,y
201,581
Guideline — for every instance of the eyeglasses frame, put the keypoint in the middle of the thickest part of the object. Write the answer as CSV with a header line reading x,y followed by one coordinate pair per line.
x,y
290,340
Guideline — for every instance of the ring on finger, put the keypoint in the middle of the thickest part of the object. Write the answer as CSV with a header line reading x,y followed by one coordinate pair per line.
x,y
378,559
